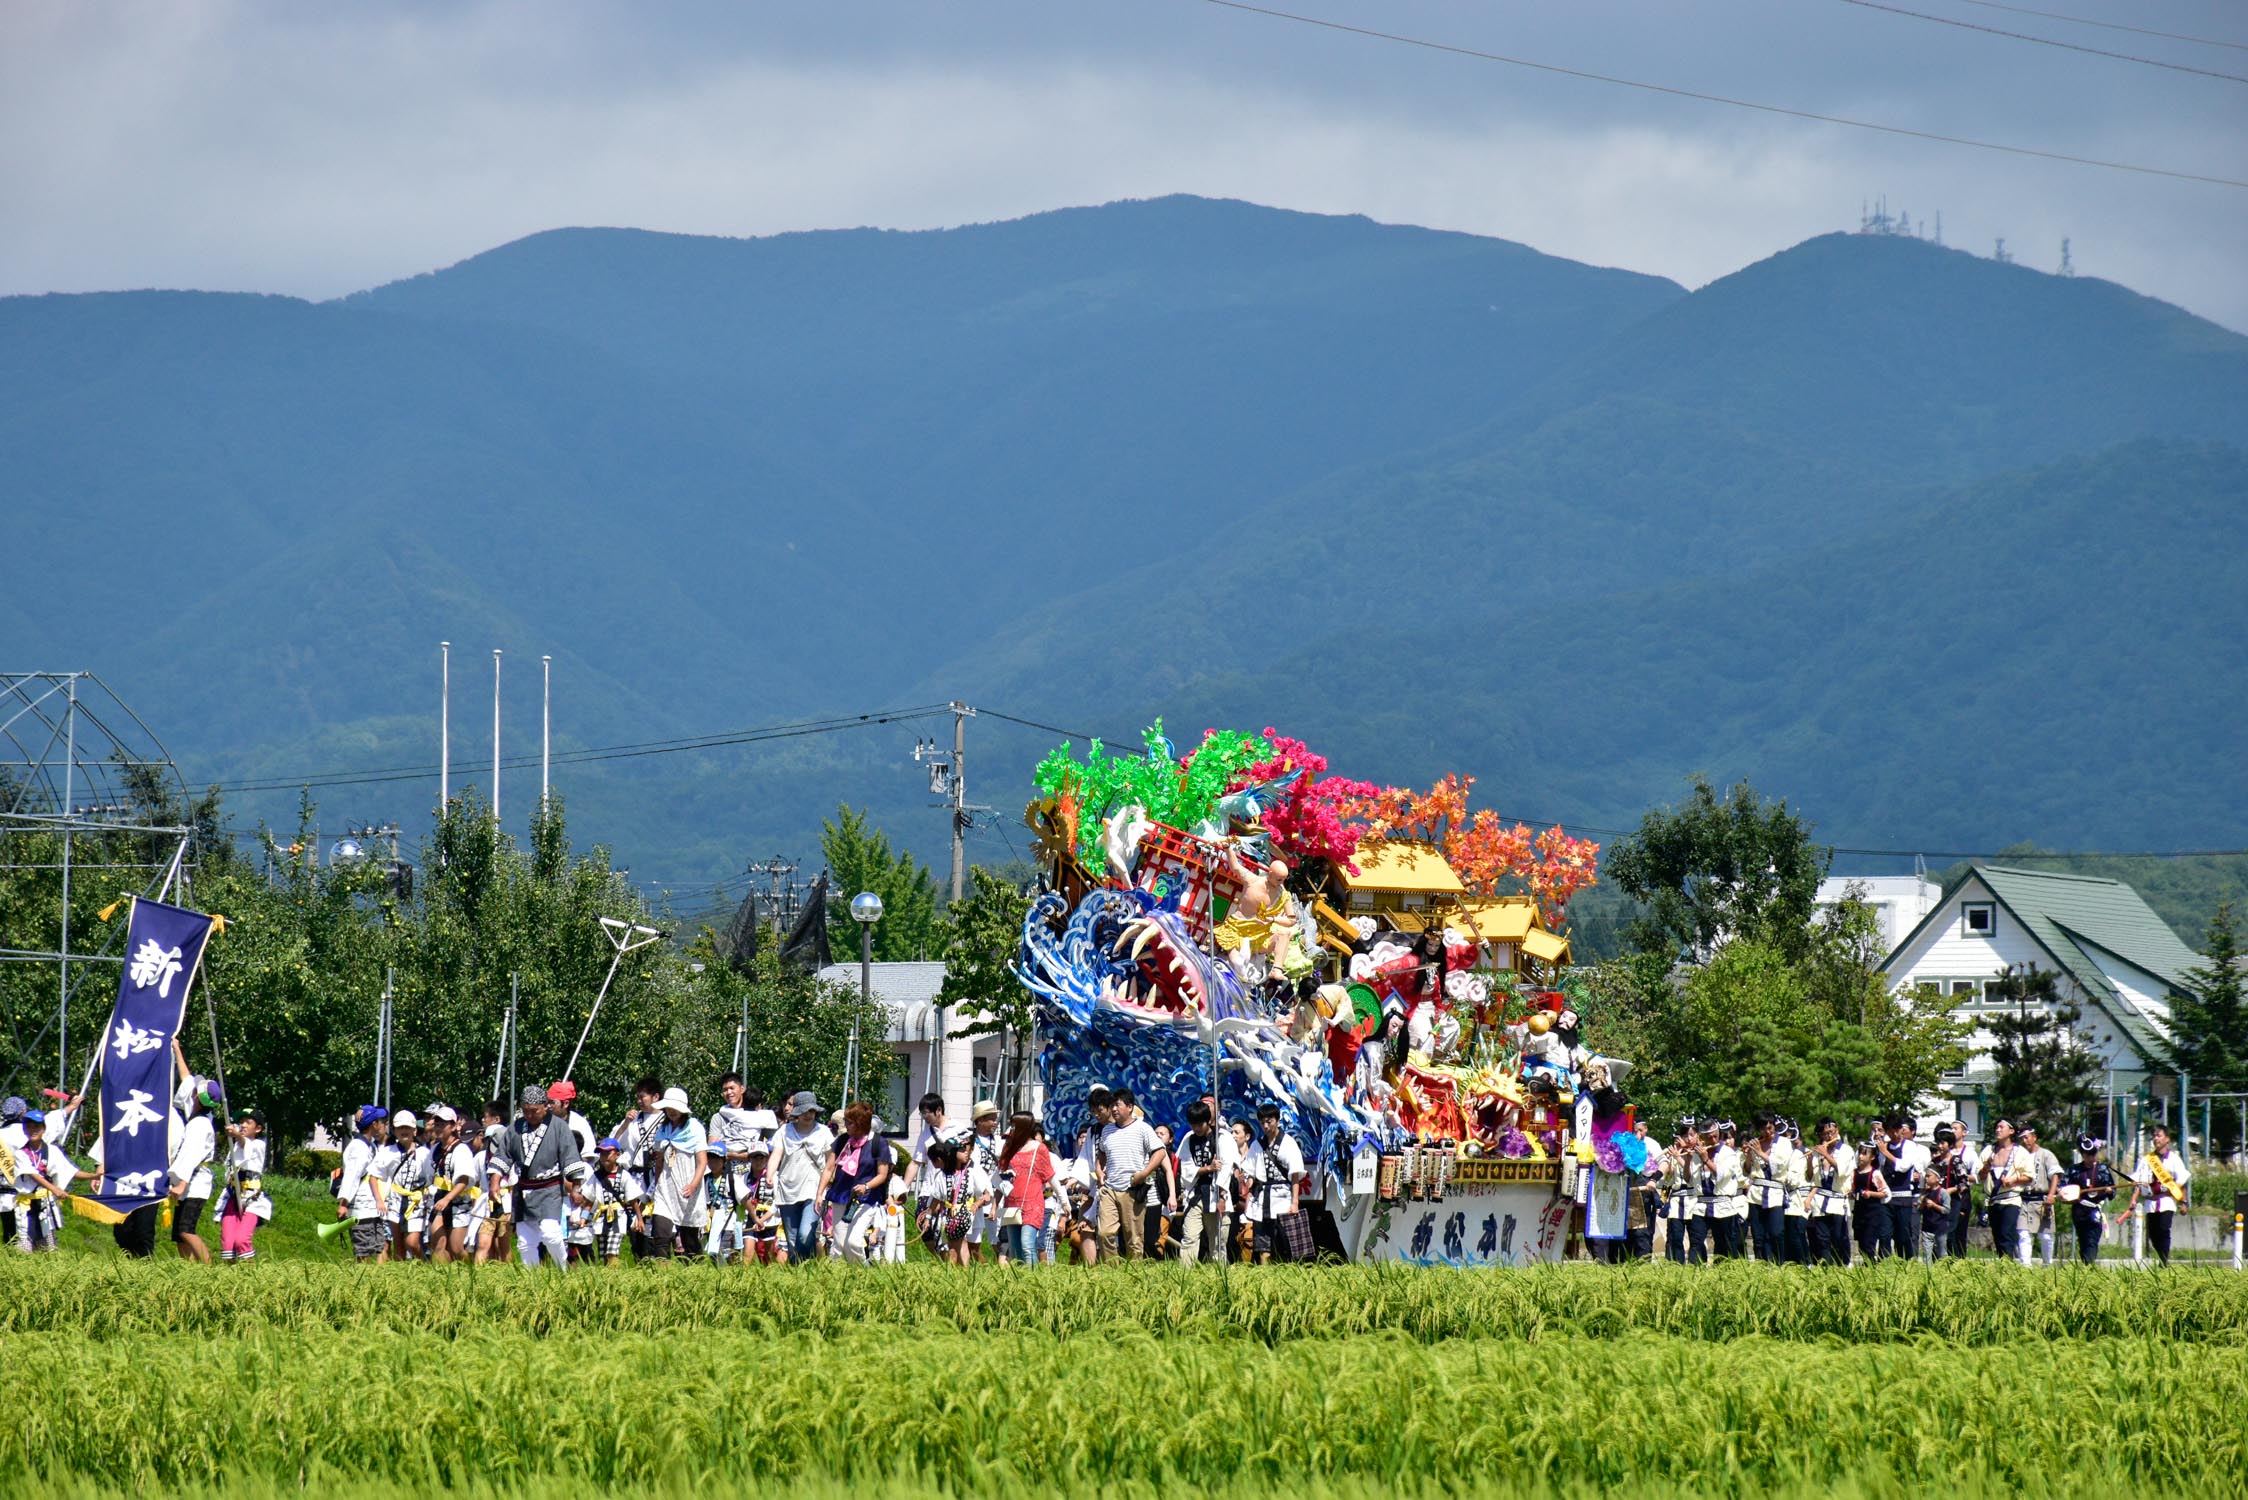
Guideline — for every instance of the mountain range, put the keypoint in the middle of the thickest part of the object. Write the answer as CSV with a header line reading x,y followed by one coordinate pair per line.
x,y
1947,551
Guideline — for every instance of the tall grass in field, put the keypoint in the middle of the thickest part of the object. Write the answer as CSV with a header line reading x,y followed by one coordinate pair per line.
x,y
426,1411
2099,1483
1978,1303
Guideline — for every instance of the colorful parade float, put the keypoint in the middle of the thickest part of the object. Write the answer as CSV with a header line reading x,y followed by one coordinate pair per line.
x,y
1384,967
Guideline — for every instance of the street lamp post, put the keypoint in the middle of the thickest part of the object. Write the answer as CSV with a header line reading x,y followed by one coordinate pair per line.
x,y
866,910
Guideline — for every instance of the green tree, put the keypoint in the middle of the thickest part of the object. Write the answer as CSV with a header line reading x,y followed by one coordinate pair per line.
x,y
860,858
2209,1027
1752,1029
1712,870
2046,1075
797,1028
982,933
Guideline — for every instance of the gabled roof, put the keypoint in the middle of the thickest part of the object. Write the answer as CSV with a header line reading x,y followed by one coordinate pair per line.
x,y
1549,947
1402,865
2106,913
2067,914
1501,919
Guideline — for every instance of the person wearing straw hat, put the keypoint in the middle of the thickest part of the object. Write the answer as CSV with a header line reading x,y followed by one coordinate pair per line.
x,y
678,1209
985,1142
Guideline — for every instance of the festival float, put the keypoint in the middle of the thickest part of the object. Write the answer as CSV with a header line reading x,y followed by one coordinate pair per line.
x,y
1387,969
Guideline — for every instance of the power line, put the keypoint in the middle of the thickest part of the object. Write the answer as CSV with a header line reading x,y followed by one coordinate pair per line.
x,y
2051,15
1679,93
600,752
2045,41
1073,734
2042,854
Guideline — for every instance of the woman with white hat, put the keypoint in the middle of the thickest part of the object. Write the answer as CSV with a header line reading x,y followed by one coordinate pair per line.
x,y
678,1209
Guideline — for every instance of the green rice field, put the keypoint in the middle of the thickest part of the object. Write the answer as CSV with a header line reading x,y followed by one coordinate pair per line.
x,y
1731,1380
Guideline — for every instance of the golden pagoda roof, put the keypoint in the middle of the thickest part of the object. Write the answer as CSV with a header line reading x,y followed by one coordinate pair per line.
x,y
1546,947
1404,866
1501,919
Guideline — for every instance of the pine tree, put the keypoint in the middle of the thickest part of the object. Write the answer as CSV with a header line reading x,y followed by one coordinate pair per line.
x,y
2046,1075
2209,1028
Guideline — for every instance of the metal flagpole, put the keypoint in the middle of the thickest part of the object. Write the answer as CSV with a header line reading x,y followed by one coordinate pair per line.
x,y
444,722
495,734
499,1060
69,815
546,725
389,1033
514,1032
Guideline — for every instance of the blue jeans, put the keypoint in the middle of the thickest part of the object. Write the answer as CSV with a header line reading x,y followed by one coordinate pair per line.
x,y
1019,1243
801,1223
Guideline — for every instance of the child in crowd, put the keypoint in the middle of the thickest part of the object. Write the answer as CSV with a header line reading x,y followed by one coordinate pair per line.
x,y
246,1204
42,1173
761,1216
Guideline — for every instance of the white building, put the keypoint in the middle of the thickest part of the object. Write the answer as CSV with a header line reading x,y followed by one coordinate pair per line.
x,y
971,1068
2118,962
1900,901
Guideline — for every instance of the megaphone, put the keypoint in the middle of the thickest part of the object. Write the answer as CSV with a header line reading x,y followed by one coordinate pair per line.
x,y
324,1230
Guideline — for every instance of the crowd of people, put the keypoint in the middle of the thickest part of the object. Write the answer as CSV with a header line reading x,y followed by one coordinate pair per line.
x,y
1781,1197
37,1174
751,1183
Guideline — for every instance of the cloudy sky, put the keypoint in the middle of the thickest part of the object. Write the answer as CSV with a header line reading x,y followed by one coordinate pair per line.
x,y
316,149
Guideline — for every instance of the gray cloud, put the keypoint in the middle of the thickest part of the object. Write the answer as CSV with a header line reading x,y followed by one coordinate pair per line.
x,y
315,150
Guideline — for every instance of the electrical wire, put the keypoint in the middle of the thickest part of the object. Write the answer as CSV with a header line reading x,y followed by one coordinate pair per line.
x,y
1680,93
599,752
1074,734
2053,15
2044,41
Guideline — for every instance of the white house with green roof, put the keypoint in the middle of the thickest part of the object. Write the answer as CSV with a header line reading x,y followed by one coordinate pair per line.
x,y
2118,963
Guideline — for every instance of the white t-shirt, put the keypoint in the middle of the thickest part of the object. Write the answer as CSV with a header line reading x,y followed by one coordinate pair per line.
x,y
191,1156
804,1154
928,1182
467,1173
1125,1149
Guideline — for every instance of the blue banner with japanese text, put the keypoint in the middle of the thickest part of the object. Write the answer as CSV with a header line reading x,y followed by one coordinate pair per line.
x,y
163,947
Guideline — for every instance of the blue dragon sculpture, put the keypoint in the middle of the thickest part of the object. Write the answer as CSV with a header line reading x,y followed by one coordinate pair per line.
x,y
1128,998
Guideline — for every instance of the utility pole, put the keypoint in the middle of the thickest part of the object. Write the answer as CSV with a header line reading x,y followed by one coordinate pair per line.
x,y
69,816
960,712
948,778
